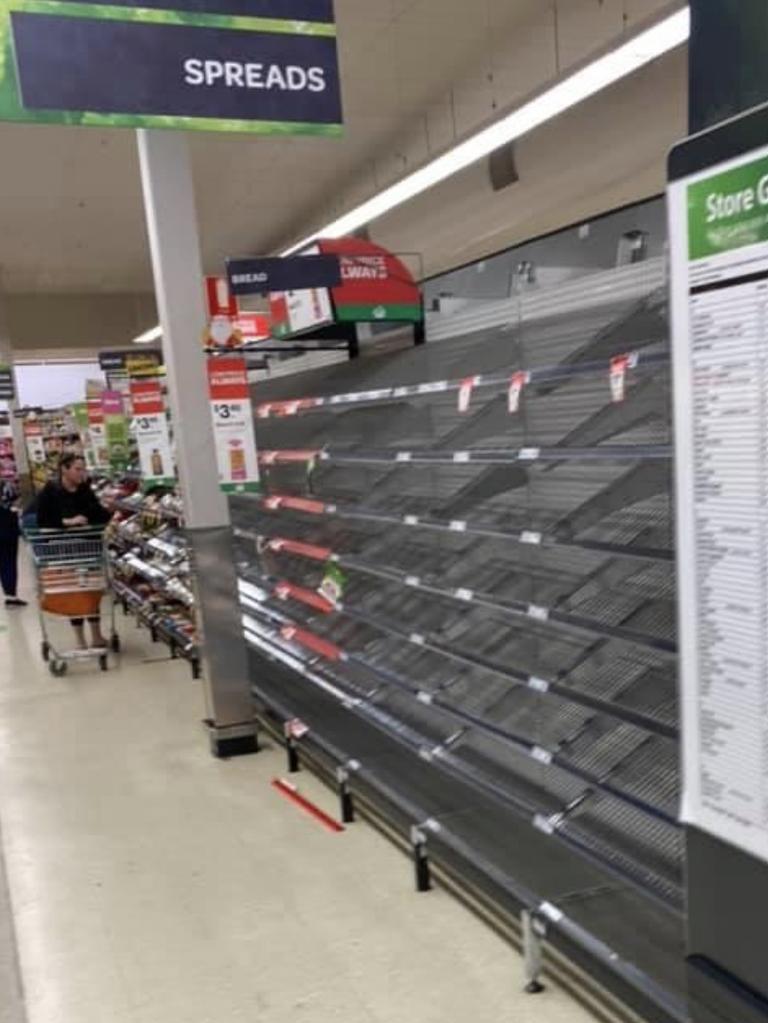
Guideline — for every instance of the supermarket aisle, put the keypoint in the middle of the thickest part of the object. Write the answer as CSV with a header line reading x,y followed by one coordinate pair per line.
x,y
151,883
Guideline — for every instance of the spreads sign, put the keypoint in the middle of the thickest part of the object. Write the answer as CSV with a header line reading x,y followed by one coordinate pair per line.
x,y
257,66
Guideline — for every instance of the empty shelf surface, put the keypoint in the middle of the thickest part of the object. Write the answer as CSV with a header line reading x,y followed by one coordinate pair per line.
x,y
517,613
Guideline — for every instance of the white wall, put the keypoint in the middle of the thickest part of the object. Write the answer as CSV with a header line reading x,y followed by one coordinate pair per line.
x,y
53,384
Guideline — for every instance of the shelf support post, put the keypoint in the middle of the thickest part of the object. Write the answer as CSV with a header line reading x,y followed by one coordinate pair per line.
x,y
169,202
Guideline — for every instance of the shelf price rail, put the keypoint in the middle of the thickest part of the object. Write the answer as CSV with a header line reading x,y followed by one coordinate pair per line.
x,y
360,772
300,650
533,682
472,457
519,378
300,633
276,503
514,609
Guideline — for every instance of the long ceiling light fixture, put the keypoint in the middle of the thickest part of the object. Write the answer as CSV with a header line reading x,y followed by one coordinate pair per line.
x,y
666,35
149,336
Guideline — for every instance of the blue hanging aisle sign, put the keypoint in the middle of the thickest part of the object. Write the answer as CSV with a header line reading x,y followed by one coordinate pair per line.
x,y
223,65
282,273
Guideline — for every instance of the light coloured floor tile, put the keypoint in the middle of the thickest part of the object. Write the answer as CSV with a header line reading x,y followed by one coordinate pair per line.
x,y
153,884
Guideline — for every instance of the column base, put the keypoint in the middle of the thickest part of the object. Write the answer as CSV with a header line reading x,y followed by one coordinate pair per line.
x,y
228,741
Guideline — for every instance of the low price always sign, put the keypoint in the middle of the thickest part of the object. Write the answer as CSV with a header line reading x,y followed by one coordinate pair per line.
x,y
233,425
152,434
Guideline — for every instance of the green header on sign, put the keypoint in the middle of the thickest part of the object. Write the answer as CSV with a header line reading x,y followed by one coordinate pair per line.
x,y
729,210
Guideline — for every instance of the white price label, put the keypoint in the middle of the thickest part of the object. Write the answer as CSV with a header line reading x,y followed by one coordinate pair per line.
x,y
551,912
235,445
542,755
529,537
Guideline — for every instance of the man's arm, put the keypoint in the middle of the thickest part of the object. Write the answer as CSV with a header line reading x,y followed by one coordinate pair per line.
x,y
93,509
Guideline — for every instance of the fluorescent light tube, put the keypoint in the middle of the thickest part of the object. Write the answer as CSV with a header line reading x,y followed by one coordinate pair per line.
x,y
149,336
668,34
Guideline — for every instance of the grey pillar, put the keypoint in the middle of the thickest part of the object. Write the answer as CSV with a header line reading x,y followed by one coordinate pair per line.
x,y
173,236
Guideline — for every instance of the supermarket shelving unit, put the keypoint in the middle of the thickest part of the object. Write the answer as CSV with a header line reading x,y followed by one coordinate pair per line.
x,y
151,574
460,579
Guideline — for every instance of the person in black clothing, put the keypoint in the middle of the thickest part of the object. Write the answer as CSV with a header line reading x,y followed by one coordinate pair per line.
x,y
68,503
9,544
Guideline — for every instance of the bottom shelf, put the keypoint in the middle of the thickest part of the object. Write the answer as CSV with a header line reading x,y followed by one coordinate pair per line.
x,y
160,628
630,945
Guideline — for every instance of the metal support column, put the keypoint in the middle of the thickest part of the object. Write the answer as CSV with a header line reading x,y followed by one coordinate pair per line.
x,y
169,201
422,872
294,766
346,802
533,951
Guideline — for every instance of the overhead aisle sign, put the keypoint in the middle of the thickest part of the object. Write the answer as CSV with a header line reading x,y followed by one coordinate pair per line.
x,y
7,390
718,202
259,66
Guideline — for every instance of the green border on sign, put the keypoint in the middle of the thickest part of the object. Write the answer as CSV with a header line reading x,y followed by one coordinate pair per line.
x,y
106,12
12,110
380,313
241,488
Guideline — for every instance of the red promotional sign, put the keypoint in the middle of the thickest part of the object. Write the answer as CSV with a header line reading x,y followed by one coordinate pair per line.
x,y
95,411
228,379
147,397
376,285
112,403
252,326
221,302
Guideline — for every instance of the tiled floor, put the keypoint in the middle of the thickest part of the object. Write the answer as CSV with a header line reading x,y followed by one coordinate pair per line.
x,y
153,884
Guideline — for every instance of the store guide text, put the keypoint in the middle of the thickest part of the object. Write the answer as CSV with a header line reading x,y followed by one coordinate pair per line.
x,y
721,206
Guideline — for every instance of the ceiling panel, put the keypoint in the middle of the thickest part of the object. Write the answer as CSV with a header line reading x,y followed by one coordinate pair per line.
x,y
415,72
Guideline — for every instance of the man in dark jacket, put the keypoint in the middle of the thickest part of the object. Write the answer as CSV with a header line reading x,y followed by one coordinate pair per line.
x,y
9,544
67,503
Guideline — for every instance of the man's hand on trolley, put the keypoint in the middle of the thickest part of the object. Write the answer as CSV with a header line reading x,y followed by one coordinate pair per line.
x,y
77,520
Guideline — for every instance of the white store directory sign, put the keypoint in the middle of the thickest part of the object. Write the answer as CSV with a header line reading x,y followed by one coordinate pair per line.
x,y
719,253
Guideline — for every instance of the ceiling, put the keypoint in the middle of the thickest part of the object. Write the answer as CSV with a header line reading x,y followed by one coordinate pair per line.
x,y
71,216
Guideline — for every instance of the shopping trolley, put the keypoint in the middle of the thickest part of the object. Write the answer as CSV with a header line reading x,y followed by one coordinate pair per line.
x,y
71,569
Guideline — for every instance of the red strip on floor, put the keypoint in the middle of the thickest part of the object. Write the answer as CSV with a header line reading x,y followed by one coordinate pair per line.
x,y
290,792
